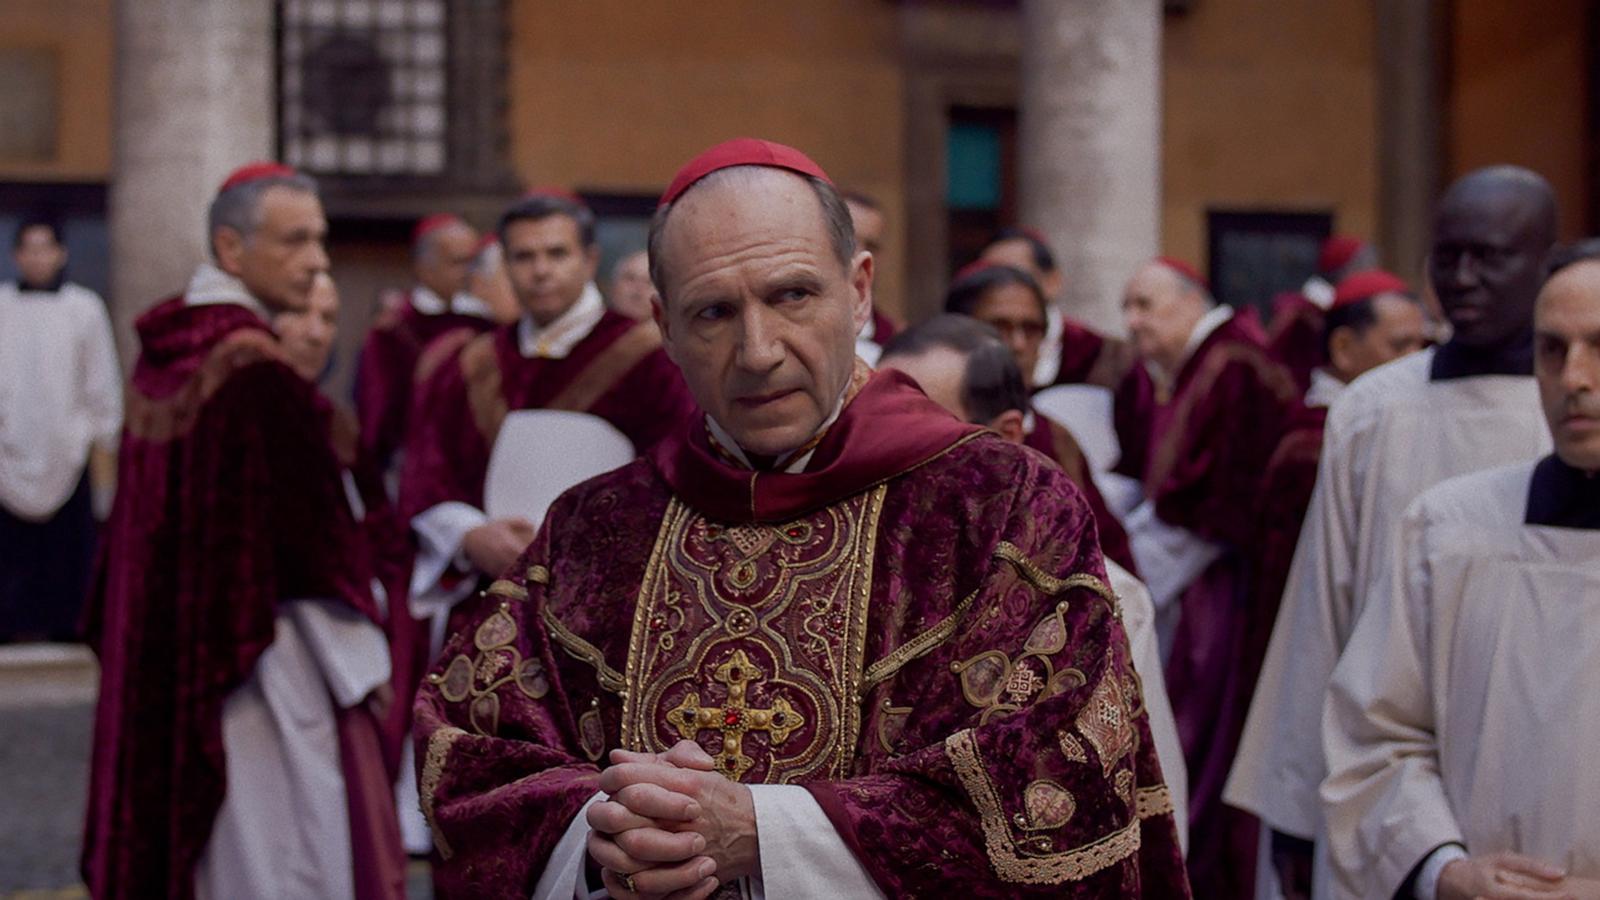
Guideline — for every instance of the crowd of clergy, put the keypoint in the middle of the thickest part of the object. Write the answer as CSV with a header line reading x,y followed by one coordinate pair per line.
x,y
819,605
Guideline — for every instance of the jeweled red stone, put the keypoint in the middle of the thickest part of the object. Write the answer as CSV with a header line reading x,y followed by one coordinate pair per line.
x,y
731,717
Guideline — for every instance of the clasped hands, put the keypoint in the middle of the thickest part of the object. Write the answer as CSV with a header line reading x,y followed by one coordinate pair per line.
x,y
1511,876
670,827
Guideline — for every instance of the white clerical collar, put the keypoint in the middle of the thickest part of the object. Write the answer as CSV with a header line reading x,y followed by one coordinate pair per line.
x,y
785,465
425,301
1319,292
1324,387
210,285
1208,323
556,340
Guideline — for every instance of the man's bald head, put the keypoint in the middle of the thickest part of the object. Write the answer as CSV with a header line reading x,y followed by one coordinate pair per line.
x,y
1493,230
835,213
761,295
442,258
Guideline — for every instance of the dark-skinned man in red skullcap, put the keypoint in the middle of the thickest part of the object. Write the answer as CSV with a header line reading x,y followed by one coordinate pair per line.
x,y
826,640
1212,405
241,656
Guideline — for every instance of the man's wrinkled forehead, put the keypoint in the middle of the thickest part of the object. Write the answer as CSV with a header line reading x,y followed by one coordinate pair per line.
x,y
748,196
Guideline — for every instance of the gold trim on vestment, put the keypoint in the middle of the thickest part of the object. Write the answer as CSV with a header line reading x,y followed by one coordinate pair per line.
x,y
481,371
580,649
1153,801
601,375
918,646
507,589
1050,584
1012,863
439,744
809,621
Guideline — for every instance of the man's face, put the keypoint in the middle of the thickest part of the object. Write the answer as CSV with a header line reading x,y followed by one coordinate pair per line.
x,y
1486,265
279,262
548,265
1400,328
869,226
1014,311
307,335
941,373
1567,362
630,286
445,264
1161,312
758,312
39,258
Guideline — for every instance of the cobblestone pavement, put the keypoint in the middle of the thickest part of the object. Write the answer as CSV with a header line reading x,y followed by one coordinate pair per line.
x,y
46,725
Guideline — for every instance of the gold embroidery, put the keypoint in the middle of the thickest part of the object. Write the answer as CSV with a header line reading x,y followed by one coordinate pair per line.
x,y
1052,585
1154,801
1049,805
1072,748
919,646
1016,864
999,685
891,720
791,598
538,574
591,733
735,718
439,744
497,664
580,649
1123,785
507,589
1107,722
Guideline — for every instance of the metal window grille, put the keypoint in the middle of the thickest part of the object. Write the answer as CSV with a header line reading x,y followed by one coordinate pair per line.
x,y
364,87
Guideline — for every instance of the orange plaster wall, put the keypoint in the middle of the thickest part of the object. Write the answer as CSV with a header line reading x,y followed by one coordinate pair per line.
x,y
80,32
614,95
1268,104
1519,88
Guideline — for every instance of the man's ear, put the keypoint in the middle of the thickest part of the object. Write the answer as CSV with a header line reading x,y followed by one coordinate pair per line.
x,y
861,271
228,245
658,312
1009,425
1340,343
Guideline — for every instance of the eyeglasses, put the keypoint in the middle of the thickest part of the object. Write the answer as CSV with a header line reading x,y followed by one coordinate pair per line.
x,y
1031,329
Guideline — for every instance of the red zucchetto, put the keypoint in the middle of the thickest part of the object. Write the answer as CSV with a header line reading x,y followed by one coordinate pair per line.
x,y
741,152
1367,284
256,171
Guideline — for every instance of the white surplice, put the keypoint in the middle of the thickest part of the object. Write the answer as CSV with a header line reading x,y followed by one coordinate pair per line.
x,y
1391,434
284,826
1139,619
1465,708
60,393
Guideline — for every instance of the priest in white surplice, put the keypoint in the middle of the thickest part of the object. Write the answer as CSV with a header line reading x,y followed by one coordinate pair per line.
x,y
60,411
1401,428
1461,719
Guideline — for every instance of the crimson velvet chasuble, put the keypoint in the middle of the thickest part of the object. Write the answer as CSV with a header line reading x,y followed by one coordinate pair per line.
x,y
466,385
916,629
230,500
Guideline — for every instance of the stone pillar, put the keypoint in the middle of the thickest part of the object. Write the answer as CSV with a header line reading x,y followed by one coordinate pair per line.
x,y
1411,100
1090,143
194,98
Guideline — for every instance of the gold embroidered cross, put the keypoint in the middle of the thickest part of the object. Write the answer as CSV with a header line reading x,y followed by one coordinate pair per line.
x,y
735,718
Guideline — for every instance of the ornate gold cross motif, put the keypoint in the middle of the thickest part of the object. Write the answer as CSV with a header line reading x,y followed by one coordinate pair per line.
x,y
735,718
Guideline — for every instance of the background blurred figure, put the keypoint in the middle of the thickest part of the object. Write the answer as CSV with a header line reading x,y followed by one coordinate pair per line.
x,y
866,216
1220,407
444,249
1010,302
630,286
487,280
1070,352
308,334
60,411
1296,333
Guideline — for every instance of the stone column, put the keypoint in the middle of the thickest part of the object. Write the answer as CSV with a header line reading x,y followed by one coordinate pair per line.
x,y
1090,143
194,98
1411,100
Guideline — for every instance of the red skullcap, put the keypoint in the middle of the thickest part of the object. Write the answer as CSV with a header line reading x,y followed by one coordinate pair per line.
x,y
1185,269
264,168
741,152
1366,285
1337,251
430,224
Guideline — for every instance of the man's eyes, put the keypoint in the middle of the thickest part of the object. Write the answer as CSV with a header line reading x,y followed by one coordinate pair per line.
x,y
716,312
